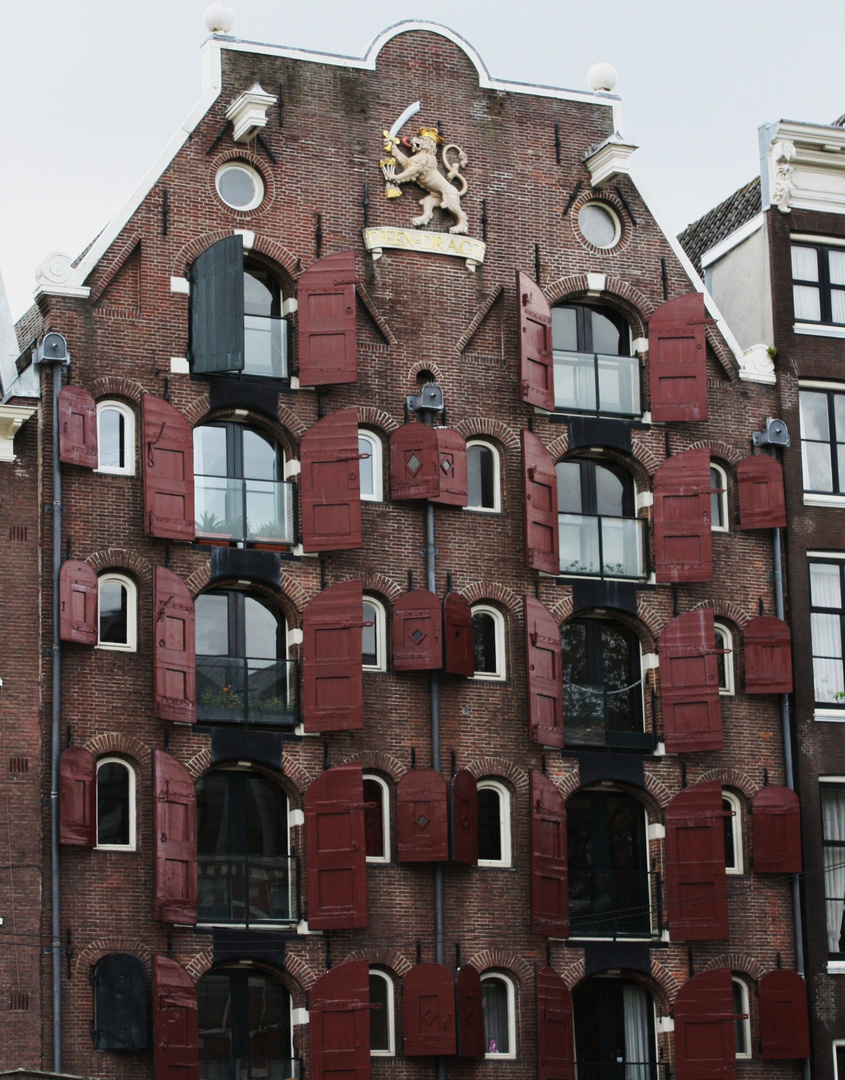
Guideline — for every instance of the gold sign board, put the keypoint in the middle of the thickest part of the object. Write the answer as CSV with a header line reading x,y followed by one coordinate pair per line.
x,y
434,243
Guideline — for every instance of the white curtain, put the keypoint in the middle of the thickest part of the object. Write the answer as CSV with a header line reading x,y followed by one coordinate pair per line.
x,y
833,815
635,1005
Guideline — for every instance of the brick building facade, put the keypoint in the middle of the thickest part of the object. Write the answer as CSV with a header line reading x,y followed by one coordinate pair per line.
x,y
392,746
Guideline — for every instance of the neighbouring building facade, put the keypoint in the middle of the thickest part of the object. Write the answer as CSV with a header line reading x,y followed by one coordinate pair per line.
x,y
774,258
408,652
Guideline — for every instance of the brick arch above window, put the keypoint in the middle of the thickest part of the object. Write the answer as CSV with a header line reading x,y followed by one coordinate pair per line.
x,y
280,432
732,778
280,256
395,964
117,386
495,430
718,449
725,611
740,963
136,752
377,762
643,632
425,365
96,951
499,769
121,561
491,961
641,795
633,305
291,599
493,593
383,587
377,419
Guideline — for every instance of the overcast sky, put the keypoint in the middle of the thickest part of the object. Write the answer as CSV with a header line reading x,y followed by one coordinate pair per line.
x,y
93,90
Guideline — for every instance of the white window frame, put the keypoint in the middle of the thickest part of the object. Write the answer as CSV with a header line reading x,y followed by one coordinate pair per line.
x,y
501,672
381,634
131,643
736,832
391,1014
128,438
257,179
496,508
132,845
725,640
511,998
385,818
723,499
837,1043
376,453
488,784
746,1023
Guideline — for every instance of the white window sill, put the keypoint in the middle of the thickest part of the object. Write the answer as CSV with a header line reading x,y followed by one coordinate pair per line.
x,y
824,500
819,330
836,967
488,678
837,716
106,471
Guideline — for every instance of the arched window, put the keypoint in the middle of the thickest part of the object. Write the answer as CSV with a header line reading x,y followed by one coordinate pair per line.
x,y
374,636
483,477
600,535
117,599
609,886
742,1023
488,642
115,805
497,996
243,676
239,487
602,684
494,824
719,521
265,331
594,370
244,1018
115,438
614,1029
371,469
245,873
377,818
382,1022
724,658
732,808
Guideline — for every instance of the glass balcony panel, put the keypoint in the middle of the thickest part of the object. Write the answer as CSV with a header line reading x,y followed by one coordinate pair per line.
x,y
250,1069
601,546
244,890
575,381
265,346
221,688
271,691
219,507
269,511
612,903
269,889
579,544
621,547
619,385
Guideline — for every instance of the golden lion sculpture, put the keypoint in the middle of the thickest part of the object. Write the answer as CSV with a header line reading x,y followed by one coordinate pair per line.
x,y
421,168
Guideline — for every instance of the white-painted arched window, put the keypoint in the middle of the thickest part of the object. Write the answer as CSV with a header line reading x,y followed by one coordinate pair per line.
x,y
488,642
374,635
725,658
742,1023
732,808
494,824
370,466
382,1021
115,438
376,818
115,805
483,477
718,499
117,600
497,996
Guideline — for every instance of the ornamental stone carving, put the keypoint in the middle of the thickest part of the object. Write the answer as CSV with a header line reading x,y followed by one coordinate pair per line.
x,y
420,167
784,184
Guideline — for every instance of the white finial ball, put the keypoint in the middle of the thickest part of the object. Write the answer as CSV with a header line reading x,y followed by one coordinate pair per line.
x,y
602,77
219,18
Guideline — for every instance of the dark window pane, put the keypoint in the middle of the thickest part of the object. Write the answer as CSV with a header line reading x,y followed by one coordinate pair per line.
x,y
481,477
608,335
610,491
565,329
365,466
114,615
489,825
244,1026
484,643
261,458
740,1028
212,612
494,997
569,487
260,293
374,818
213,814
717,518
369,636
111,439
113,803
730,852
210,457
380,1017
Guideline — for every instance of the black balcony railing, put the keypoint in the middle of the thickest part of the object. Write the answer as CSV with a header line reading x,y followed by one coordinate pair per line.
x,y
247,691
602,546
250,1068
246,890
614,903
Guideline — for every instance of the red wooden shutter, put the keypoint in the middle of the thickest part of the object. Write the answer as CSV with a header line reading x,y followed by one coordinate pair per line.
x,y
175,1020
78,798
336,853
464,818
768,656
784,1016
429,1000
696,885
325,295
332,679
330,486
549,882
683,541
555,1040
78,614
77,427
422,831
542,546
414,462
677,358
175,828
704,1028
543,674
536,370
457,635
174,648
417,632
168,471
470,1012
777,831
762,503
452,463
689,683
339,1012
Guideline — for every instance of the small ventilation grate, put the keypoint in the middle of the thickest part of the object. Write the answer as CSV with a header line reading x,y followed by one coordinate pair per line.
x,y
19,765
18,1002
18,533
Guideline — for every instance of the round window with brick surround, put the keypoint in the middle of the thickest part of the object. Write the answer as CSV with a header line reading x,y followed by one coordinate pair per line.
x,y
599,225
240,186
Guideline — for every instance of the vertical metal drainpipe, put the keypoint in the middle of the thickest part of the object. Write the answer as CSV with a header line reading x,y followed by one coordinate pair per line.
x,y
55,749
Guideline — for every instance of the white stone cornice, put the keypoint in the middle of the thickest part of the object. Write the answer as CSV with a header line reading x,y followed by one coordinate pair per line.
x,y
248,112
756,365
11,418
608,160
804,167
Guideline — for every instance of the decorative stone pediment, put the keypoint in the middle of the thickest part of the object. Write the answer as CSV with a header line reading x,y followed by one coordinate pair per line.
x,y
609,159
804,167
11,418
248,112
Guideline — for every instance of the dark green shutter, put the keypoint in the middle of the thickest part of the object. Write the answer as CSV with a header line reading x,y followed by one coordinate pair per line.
x,y
120,1003
217,308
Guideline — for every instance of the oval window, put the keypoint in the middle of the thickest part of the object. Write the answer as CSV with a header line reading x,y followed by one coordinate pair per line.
x,y
240,186
599,225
